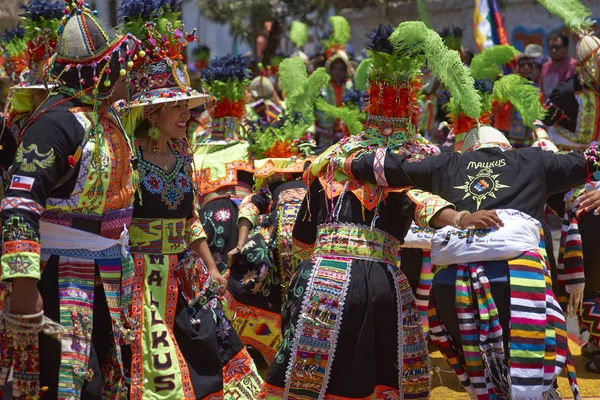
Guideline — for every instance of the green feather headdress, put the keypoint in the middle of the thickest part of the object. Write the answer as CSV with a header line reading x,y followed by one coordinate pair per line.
x,y
485,68
13,42
414,39
301,90
488,64
424,14
521,93
574,14
361,75
299,34
341,33
289,134
352,117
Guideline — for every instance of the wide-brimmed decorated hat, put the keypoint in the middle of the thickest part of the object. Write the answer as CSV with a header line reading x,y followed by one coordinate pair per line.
x,y
90,55
227,80
587,50
160,76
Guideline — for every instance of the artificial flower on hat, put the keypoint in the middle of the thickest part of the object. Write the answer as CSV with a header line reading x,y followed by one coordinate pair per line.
x,y
41,20
160,74
227,80
14,45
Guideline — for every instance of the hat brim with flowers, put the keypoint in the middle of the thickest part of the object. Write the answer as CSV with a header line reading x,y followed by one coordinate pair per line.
x,y
161,83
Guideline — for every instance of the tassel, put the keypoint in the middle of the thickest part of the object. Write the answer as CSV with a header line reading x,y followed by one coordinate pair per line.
x,y
575,305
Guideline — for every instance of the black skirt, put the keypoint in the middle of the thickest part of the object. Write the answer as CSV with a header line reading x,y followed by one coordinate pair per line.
x,y
219,219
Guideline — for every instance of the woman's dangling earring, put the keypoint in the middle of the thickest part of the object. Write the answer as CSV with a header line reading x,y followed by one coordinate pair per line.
x,y
154,134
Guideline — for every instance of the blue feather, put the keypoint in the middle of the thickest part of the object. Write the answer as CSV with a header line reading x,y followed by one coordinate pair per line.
x,y
35,10
379,39
484,85
226,68
17,32
453,31
146,9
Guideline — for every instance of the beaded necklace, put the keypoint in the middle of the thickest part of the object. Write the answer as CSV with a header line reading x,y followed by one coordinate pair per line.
x,y
32,120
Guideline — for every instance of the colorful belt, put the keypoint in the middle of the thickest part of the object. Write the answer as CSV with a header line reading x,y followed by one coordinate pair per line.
x,y
356,241
239,191
109,225
157,236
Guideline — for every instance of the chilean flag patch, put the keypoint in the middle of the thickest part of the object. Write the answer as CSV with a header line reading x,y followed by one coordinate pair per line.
x,y
22,183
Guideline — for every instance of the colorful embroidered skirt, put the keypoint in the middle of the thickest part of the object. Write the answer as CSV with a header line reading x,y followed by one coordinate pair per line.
x,y
186,348
83,291
349,321
472,330
253,301
259,276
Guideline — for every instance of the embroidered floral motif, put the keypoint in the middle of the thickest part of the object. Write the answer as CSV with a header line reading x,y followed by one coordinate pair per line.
x,y
183,183
172,186
15,228
153,183
30,159
20,265
223,215
249,276
172,196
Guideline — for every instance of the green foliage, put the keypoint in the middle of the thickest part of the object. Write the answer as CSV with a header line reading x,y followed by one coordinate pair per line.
x,y
414,39
233,90
392,69
261,141
488,64
43,26
14,47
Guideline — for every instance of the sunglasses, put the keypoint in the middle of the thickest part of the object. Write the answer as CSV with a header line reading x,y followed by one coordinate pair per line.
x,y
525,64
556,47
